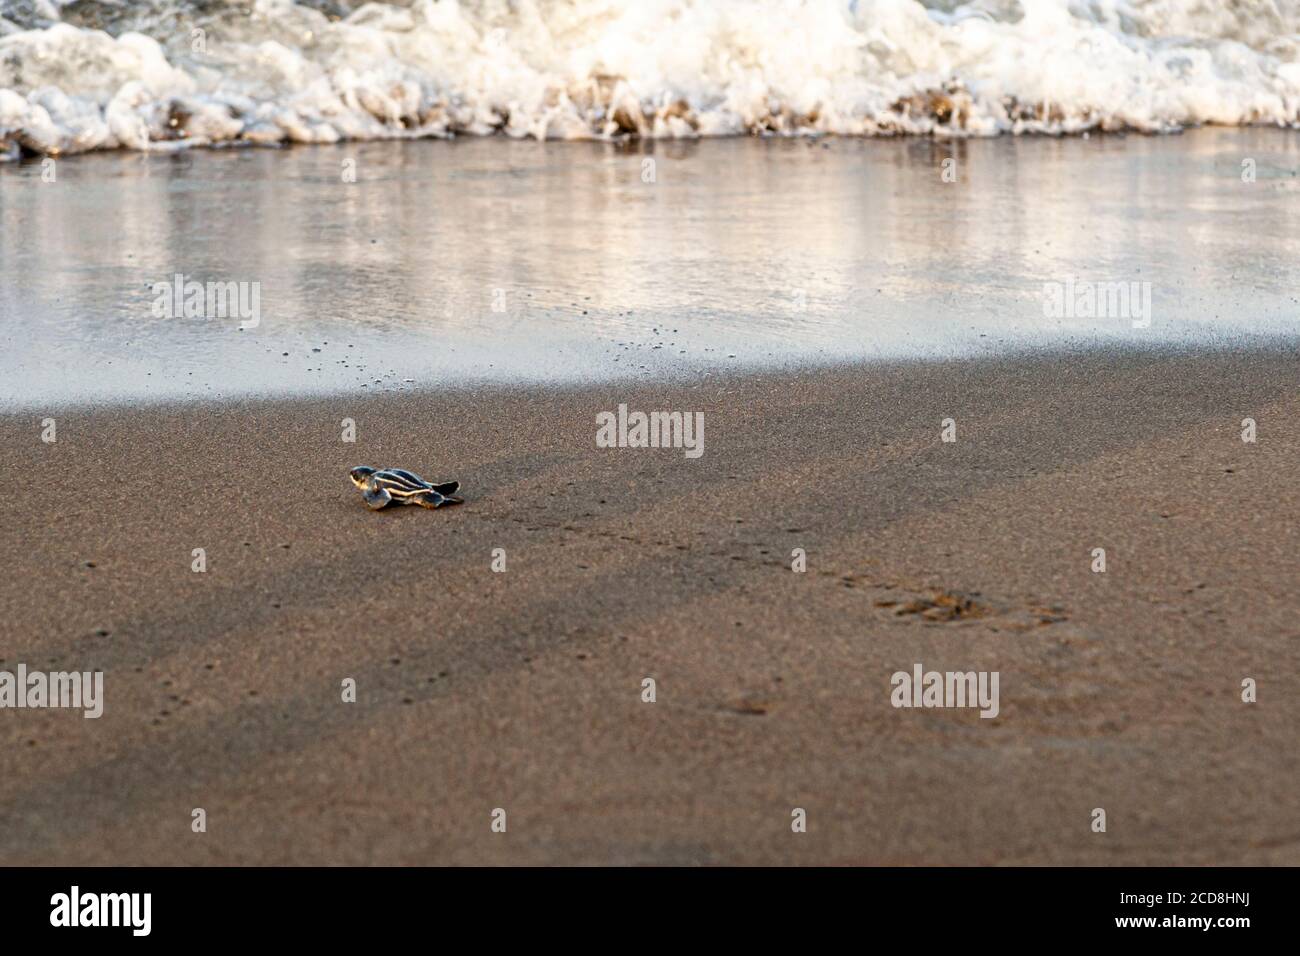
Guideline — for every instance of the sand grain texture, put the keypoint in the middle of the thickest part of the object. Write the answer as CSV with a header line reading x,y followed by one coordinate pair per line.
x,y
522,690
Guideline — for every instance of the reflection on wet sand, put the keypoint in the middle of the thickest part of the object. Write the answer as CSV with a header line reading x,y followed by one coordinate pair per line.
x,y
495,259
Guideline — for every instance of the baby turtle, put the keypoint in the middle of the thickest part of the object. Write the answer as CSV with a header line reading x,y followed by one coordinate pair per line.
x,y
383,487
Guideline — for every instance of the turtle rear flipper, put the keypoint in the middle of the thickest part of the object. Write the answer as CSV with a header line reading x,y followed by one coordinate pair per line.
x,y
446,488
432,499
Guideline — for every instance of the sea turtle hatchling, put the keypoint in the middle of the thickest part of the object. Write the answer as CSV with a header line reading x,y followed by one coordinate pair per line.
x,y
382,487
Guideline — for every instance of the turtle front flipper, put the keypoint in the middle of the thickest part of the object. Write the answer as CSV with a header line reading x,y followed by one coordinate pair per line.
x,y
376,498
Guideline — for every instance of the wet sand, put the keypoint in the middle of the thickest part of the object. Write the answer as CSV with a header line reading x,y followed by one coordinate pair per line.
x,y
522,690
498,261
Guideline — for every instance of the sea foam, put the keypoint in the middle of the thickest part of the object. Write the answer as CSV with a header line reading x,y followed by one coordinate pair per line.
x,y
79,75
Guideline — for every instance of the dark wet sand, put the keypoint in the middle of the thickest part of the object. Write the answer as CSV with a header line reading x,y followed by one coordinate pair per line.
x,y
522,690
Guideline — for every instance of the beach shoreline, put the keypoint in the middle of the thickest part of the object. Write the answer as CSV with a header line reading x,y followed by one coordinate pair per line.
x,y
523,690
503,263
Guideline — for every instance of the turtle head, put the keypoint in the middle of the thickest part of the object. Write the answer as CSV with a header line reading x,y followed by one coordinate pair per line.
x,y
360,474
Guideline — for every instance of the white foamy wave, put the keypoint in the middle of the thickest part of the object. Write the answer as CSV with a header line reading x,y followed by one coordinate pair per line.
x,y
78,75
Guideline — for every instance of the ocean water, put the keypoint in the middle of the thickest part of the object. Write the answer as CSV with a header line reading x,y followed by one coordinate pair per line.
x,y
82,75
383,266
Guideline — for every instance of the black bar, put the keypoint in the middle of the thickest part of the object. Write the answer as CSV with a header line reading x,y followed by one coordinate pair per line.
x,y
233,905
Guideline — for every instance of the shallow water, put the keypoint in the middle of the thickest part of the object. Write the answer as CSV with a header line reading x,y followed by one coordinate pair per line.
x,y
741,252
